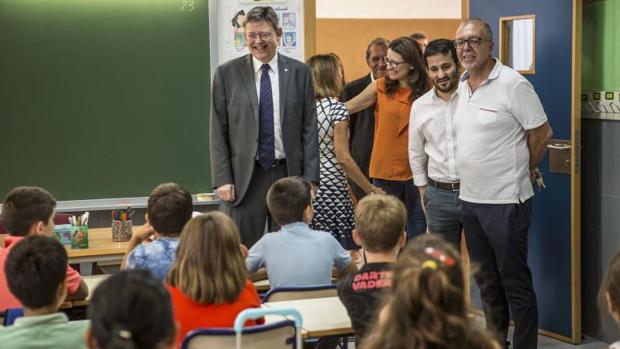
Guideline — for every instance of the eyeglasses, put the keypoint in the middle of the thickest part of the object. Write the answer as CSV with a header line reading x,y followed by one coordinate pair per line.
x,y
392,64
261,35
473,42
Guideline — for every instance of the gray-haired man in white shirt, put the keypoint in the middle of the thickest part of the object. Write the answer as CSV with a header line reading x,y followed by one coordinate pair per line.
x,y
432,143
502,134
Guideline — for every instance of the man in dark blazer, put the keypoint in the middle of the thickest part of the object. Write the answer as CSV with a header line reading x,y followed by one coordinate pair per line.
x,y
362,124
263,125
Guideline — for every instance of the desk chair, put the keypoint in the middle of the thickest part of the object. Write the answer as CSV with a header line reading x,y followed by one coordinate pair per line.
x,y
11,314
280,294
292,293
285,334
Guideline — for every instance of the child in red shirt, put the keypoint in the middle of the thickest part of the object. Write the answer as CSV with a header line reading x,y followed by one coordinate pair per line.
x,y
30,211
208,282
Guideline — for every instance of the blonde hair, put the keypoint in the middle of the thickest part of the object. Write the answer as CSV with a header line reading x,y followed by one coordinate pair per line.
x,y
325,72
209,267
380,221
426,307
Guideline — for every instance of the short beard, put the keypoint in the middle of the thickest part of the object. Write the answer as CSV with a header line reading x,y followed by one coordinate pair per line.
x,y
450,87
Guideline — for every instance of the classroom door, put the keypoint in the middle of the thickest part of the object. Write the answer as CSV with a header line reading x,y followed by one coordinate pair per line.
x,y
554,236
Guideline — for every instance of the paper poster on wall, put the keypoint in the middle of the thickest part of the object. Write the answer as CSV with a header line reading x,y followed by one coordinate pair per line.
x,y
262,2
232,42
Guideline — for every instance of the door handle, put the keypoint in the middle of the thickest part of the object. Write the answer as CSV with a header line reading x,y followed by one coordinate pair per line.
x,y
559,146
560,156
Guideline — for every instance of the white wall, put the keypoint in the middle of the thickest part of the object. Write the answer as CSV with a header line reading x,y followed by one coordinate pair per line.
x,y
388,9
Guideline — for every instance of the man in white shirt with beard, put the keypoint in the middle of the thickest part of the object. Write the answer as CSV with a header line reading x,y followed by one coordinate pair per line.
x,y
432,143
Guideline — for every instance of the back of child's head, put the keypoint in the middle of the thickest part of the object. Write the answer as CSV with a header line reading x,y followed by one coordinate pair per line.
x,y
288,198
25,206
380,222
131,310
169,208
609,295
426,306
209,267
35,270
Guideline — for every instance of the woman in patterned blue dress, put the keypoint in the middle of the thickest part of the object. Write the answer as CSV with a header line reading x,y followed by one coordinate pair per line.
x,y
333,208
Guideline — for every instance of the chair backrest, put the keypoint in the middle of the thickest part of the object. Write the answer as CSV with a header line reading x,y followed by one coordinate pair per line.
x,y
61,218
278,335
11,314
283,334
291,293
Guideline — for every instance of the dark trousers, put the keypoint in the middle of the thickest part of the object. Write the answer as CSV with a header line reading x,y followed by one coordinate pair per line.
x,y
496,237
252,214
410,196
443,214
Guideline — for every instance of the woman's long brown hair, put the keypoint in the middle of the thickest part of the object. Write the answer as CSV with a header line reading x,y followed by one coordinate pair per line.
x,y
418,81
209,267
426,307
324,68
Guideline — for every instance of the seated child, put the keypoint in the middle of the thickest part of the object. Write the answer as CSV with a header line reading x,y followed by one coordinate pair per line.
x,y
296,255
208,282
425,307
30,211
380,222
169,208
610,293
131,309
36,269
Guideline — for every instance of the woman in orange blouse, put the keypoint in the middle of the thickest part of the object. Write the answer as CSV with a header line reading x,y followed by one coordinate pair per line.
x,y
406,80
208,282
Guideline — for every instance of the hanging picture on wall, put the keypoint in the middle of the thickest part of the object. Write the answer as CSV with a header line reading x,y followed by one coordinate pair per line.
x,y
289,40
237,24
260,2
289,20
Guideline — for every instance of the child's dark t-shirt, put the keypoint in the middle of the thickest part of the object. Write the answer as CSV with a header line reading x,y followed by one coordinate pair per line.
x,y
361,293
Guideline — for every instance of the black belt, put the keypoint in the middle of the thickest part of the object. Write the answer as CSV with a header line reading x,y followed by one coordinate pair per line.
x,y
274,163
455,186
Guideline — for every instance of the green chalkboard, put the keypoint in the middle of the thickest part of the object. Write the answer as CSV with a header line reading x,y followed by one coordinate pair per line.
x,y
104,98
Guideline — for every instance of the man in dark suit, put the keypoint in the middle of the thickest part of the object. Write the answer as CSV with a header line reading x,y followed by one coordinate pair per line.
x,y
362,124
263,125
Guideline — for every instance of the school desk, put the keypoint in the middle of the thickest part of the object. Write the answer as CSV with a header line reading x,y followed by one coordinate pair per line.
x,y
321,316
263,285
93,281
101,249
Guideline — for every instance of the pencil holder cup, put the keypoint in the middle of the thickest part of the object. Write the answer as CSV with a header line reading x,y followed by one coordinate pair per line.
x,y
62,233
79,236
121,231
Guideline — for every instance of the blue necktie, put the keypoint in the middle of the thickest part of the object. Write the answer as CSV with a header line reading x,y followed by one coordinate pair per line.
x,y
266,148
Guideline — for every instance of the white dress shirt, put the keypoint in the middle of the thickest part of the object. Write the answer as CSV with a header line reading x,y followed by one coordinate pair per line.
x,y
275,91
432,139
